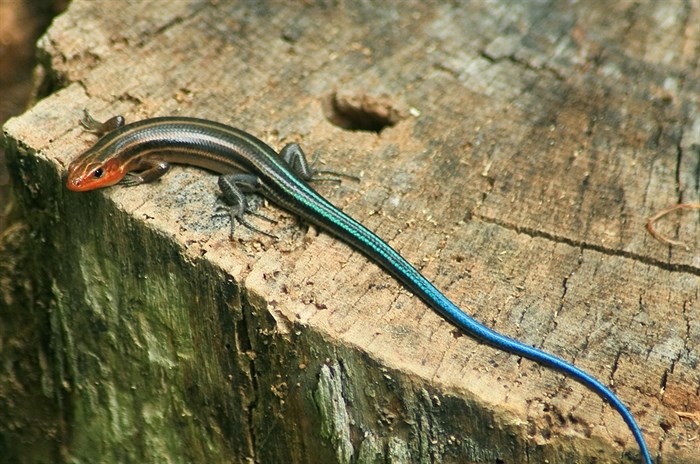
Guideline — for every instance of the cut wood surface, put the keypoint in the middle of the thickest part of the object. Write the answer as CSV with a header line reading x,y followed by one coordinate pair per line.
x,y
513,153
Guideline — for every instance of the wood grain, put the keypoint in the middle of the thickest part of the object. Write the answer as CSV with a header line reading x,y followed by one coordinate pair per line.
x,y
524,147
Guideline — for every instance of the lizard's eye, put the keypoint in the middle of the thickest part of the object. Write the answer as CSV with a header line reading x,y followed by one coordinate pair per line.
x,y
98,173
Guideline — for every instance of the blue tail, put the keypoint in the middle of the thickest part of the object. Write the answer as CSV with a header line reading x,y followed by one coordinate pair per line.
x,y
297,196
477,330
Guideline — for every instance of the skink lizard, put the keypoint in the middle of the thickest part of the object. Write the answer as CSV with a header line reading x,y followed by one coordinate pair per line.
x,y
140,152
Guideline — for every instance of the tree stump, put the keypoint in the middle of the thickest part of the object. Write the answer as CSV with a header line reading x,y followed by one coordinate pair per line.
x,y
511,152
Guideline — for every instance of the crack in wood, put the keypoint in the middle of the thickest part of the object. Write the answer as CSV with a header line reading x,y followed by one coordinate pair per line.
x,y
521,63
536,233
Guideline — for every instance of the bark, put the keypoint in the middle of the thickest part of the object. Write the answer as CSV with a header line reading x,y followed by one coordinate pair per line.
x,y
512,152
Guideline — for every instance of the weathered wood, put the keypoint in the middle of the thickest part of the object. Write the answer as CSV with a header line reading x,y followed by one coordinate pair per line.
x,y
527,145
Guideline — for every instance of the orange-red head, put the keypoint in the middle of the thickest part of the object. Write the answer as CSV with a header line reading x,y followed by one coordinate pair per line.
x,y
89,173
